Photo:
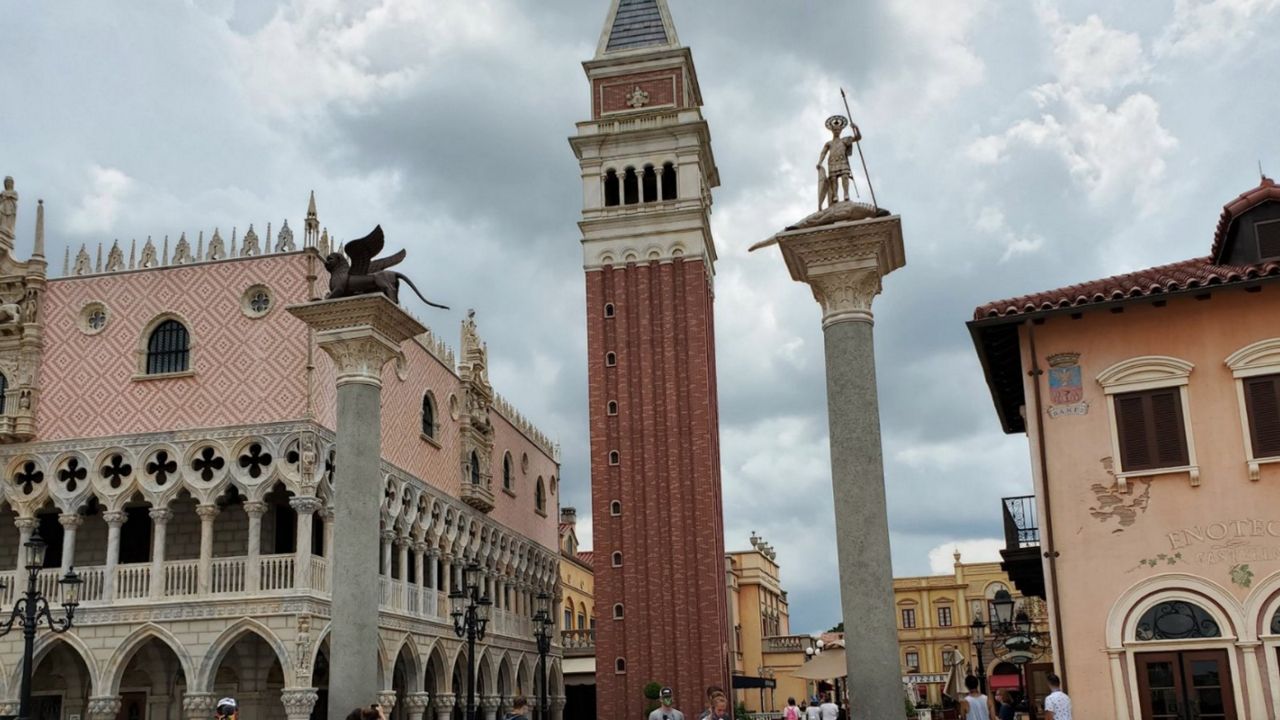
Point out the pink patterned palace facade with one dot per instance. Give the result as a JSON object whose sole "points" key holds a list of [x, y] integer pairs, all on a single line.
{"points": [[168, 429]]}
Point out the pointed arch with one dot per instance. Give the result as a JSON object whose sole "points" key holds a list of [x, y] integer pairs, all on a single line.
{"points": [[408, 648], [130, 645], [218, 650], [45, 643], [437, 670]]}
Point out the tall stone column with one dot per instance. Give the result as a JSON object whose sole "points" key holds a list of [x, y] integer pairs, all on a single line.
{"points": [[843, 263], [159, 526], [114, 519], [306, 508], [70, 523], [205, 571], [360, 334], [26, 526], [254, 509]]}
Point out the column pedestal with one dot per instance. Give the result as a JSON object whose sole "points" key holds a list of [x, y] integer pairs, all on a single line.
{"points": [[360, 334], [843, 263]]}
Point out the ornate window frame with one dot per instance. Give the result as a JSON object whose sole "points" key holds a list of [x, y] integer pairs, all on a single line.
{"points": [[1149, 372], [86, 312], [1259, 358], [144, 339], [433, 439]]}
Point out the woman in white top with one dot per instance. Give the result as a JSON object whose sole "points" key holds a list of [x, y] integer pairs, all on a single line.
{"points": [[975, 705]]}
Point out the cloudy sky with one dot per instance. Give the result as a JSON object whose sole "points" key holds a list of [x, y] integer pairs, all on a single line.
{"points": [[1026, 145]]}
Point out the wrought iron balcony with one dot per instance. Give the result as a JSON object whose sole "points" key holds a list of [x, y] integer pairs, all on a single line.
{"points": [[1021, 551]]}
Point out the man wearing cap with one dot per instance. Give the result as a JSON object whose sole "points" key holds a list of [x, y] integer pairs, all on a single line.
{"points": [[666, 712], [227, 709]]}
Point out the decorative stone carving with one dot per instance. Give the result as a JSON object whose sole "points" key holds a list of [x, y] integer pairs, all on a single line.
{"points": [[323, 246], [475, 428], [302, 645], [284, 239], [115, 257], [250, 246], [148, 256], [103, 708], [637, 98], [114, 518], [298, 702], [8, 211], [846, 296], [363, 275], [198, 706], [182, 251], [387, 699], [84, 266], [361, 334], [217, 248]]}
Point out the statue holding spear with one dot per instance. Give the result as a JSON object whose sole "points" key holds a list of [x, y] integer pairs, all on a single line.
{"points": [[838, 173]]}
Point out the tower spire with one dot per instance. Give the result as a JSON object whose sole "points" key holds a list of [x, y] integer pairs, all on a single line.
{"points": [[38, 250], [311, 227], [635, 24]]}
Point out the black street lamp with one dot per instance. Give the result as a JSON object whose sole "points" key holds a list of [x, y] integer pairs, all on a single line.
{"points": [[470, 611], [542, 628], [979, 629], [34, 607], [1015, 641]]}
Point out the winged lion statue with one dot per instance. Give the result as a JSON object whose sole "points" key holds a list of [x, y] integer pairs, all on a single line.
{"points": [[363, 275]]}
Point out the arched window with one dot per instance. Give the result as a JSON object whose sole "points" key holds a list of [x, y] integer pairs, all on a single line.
{"points": [[475, 468], [630, 187], [620, 666], [610, 359], [649, 184], [611, 196], [4, 388], [168, 348], [507, 473], [617, 611], [1176, 620], [616, 559], [612, 407], [615, 458], [669, 181], [540, 496], [608, 310], [615, 509], [428, 415]]}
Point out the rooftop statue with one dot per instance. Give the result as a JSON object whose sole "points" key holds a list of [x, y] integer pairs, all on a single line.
{"points": [[836, 178], [363, 275], [8, 208]]}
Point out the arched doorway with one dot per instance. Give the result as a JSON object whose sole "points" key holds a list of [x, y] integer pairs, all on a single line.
{"points": [[404, 678], [151, 682], [1176, 668], [61, 683], [249, 670]]}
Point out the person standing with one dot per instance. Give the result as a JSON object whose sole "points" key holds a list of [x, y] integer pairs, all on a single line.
{"points": [[227, 709], [1005, 710], [814, 711], [666, 712], [519, 709], [719, 709], [828, 709], [1057, 706], [976, 706], [791, 712]]}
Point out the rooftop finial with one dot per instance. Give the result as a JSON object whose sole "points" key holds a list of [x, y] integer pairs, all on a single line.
{"points": [[311, 228], [38, 250]]}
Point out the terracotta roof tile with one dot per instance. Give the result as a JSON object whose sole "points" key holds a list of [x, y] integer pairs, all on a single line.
{"points": [[1160, 280], [564, 527], [1265, 191], [587, 558]]}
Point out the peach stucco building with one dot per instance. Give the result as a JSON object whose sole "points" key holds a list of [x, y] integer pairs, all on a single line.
{"points": [[1150, 402]]}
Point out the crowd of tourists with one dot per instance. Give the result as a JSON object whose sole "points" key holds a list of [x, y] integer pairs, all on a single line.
{"points": [[228, 709]]}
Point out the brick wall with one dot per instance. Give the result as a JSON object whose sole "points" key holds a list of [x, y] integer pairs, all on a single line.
{"points": [[671, 533], [611, 95]]}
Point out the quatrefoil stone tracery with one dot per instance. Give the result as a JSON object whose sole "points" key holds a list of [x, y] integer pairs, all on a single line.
{"points": [[255, 460], [161, 467], [207, 463], [116, 471], [28, 477], [72, 474]]}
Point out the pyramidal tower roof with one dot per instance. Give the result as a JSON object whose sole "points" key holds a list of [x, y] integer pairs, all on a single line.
{"points": [[636, 25]]}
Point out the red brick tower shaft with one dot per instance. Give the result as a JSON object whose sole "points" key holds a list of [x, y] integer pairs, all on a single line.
{"points": [[657, 514]]}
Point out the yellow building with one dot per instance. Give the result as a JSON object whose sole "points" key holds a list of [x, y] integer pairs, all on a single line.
{"points": [[577, 601], [935, 614], [758, 609]]}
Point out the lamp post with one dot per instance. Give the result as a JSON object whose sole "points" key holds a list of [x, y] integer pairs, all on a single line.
{"points": [[542, 629], [34, 607], [811, 652], [470, 612], [1014, 640], [979, 629]]}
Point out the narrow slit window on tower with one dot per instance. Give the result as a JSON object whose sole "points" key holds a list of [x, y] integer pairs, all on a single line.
{"points": [[649, 184], [612, 408], [616, 559], [630, 187], [615, 508], [608, 310], [611, 195], [620, 666], [610, 359], [617, 611], [669, 181], [615, 458]]}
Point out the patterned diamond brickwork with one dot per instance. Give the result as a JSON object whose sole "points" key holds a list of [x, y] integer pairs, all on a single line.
{"points": [[244, 370]]}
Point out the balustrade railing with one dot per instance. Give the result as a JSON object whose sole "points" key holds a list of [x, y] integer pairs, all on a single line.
{"points": [[226, 576], [275, 572], [132, 581], [575, 641], [319, 574], [181, 578]]}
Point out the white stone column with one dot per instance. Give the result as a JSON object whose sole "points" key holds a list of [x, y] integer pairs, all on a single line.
{"points": [[1253, 690], [207, 514], [843, 264], [443, 704], [557, 704], [298, 702], [433, 567], [415, 704], [159, 529], [388, 536], [157, 706], [70, 523], [253, 569], [197, 705], [26, 526], [1119, 696], [106, 707], [328, 534], [402, 560], [114, 519], [487, 708], [361, 334], [306, 508], [446, 582]]}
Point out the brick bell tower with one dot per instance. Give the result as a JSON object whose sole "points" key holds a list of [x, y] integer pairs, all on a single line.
{"points": [[657, 518]]}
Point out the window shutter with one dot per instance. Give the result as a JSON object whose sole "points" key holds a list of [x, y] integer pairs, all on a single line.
{"points": [[1262, 401], [1131, 424], [1170, 437]]}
